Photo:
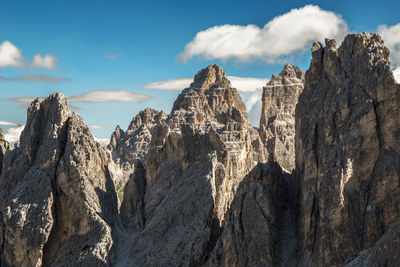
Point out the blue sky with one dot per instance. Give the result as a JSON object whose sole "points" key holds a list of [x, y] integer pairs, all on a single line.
{"points": [[123, 45]]}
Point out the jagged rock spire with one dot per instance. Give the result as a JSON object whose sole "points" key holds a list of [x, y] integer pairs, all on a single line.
{"points": [[211, 77]]}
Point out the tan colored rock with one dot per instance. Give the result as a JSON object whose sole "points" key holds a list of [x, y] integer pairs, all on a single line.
{"points": [[347, 153], [277, 123]]}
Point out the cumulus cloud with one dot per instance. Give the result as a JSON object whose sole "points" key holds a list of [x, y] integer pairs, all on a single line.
{"points": [[35, 78], [12, 134], [7, 123], [254, 105], [283, 36], [112, 56], [44, 62], [102, 141], [10, 55], [396, 74], [391, 37], [240, 83]]}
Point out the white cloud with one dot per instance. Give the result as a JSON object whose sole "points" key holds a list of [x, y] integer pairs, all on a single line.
{"points": [[396, 74], [35, 78], [254, 105], [112, 56], [96, 96], [241, 84], [10, 55], [285, 35], [107, 96], [97, 126], [12, 134], [7, 123], [44, 62], [102, 141]]}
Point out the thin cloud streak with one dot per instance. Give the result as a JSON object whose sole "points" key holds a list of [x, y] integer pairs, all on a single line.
{"points": [[7, 123], [96, 96], [242, 84], [112, 56], [35, 78]]}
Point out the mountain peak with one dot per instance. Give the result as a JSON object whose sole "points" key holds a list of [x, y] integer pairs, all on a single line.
{"points": [[211, 77]]}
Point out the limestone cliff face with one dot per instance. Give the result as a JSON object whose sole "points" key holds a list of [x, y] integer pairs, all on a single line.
{"points": [[348, 155], [197, 158], [277, 123], [57, 198], [4, 146], [127, 148]]}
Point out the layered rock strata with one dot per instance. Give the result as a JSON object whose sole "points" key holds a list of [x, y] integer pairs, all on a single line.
{"points": [[277, 123]]}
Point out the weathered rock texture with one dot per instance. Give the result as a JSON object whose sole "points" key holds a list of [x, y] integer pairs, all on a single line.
{"points": [[176, 201], [129, 147], [277, 123], [57, 198], [347, 155], [4, 146], [259, 228]]}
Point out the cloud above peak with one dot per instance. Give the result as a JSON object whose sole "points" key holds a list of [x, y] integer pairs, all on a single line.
{"points": [[283, 36], [44, 62], [242, 84]]}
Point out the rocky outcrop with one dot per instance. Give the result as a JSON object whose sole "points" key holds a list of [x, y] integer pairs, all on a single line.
{"points": [[259, 228], [127, 148], [348, 155], [277, 123], [4, 146], [57, 197], [203, 149]]}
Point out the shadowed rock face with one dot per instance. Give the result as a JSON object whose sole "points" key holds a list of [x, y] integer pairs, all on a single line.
{"points": [[347, 154], [57, 199], [277, 123]]}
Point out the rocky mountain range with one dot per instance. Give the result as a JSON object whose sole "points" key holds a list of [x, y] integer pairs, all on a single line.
{"points": [[318, 184]]}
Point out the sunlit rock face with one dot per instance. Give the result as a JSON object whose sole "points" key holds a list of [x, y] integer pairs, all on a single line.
{"points": [[347, 155], [277, 123], [57, 198]]}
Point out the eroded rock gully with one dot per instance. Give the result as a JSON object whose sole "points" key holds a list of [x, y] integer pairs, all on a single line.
{"points": [[316, 185]]}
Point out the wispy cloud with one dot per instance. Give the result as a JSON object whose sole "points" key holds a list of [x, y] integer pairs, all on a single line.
{"points": [[112, 56], [285, 35], [35, 78], [11, 56], [242, 84], [96, 96], [98, 126], [44, 62], [7, 123], [107, 96]]}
